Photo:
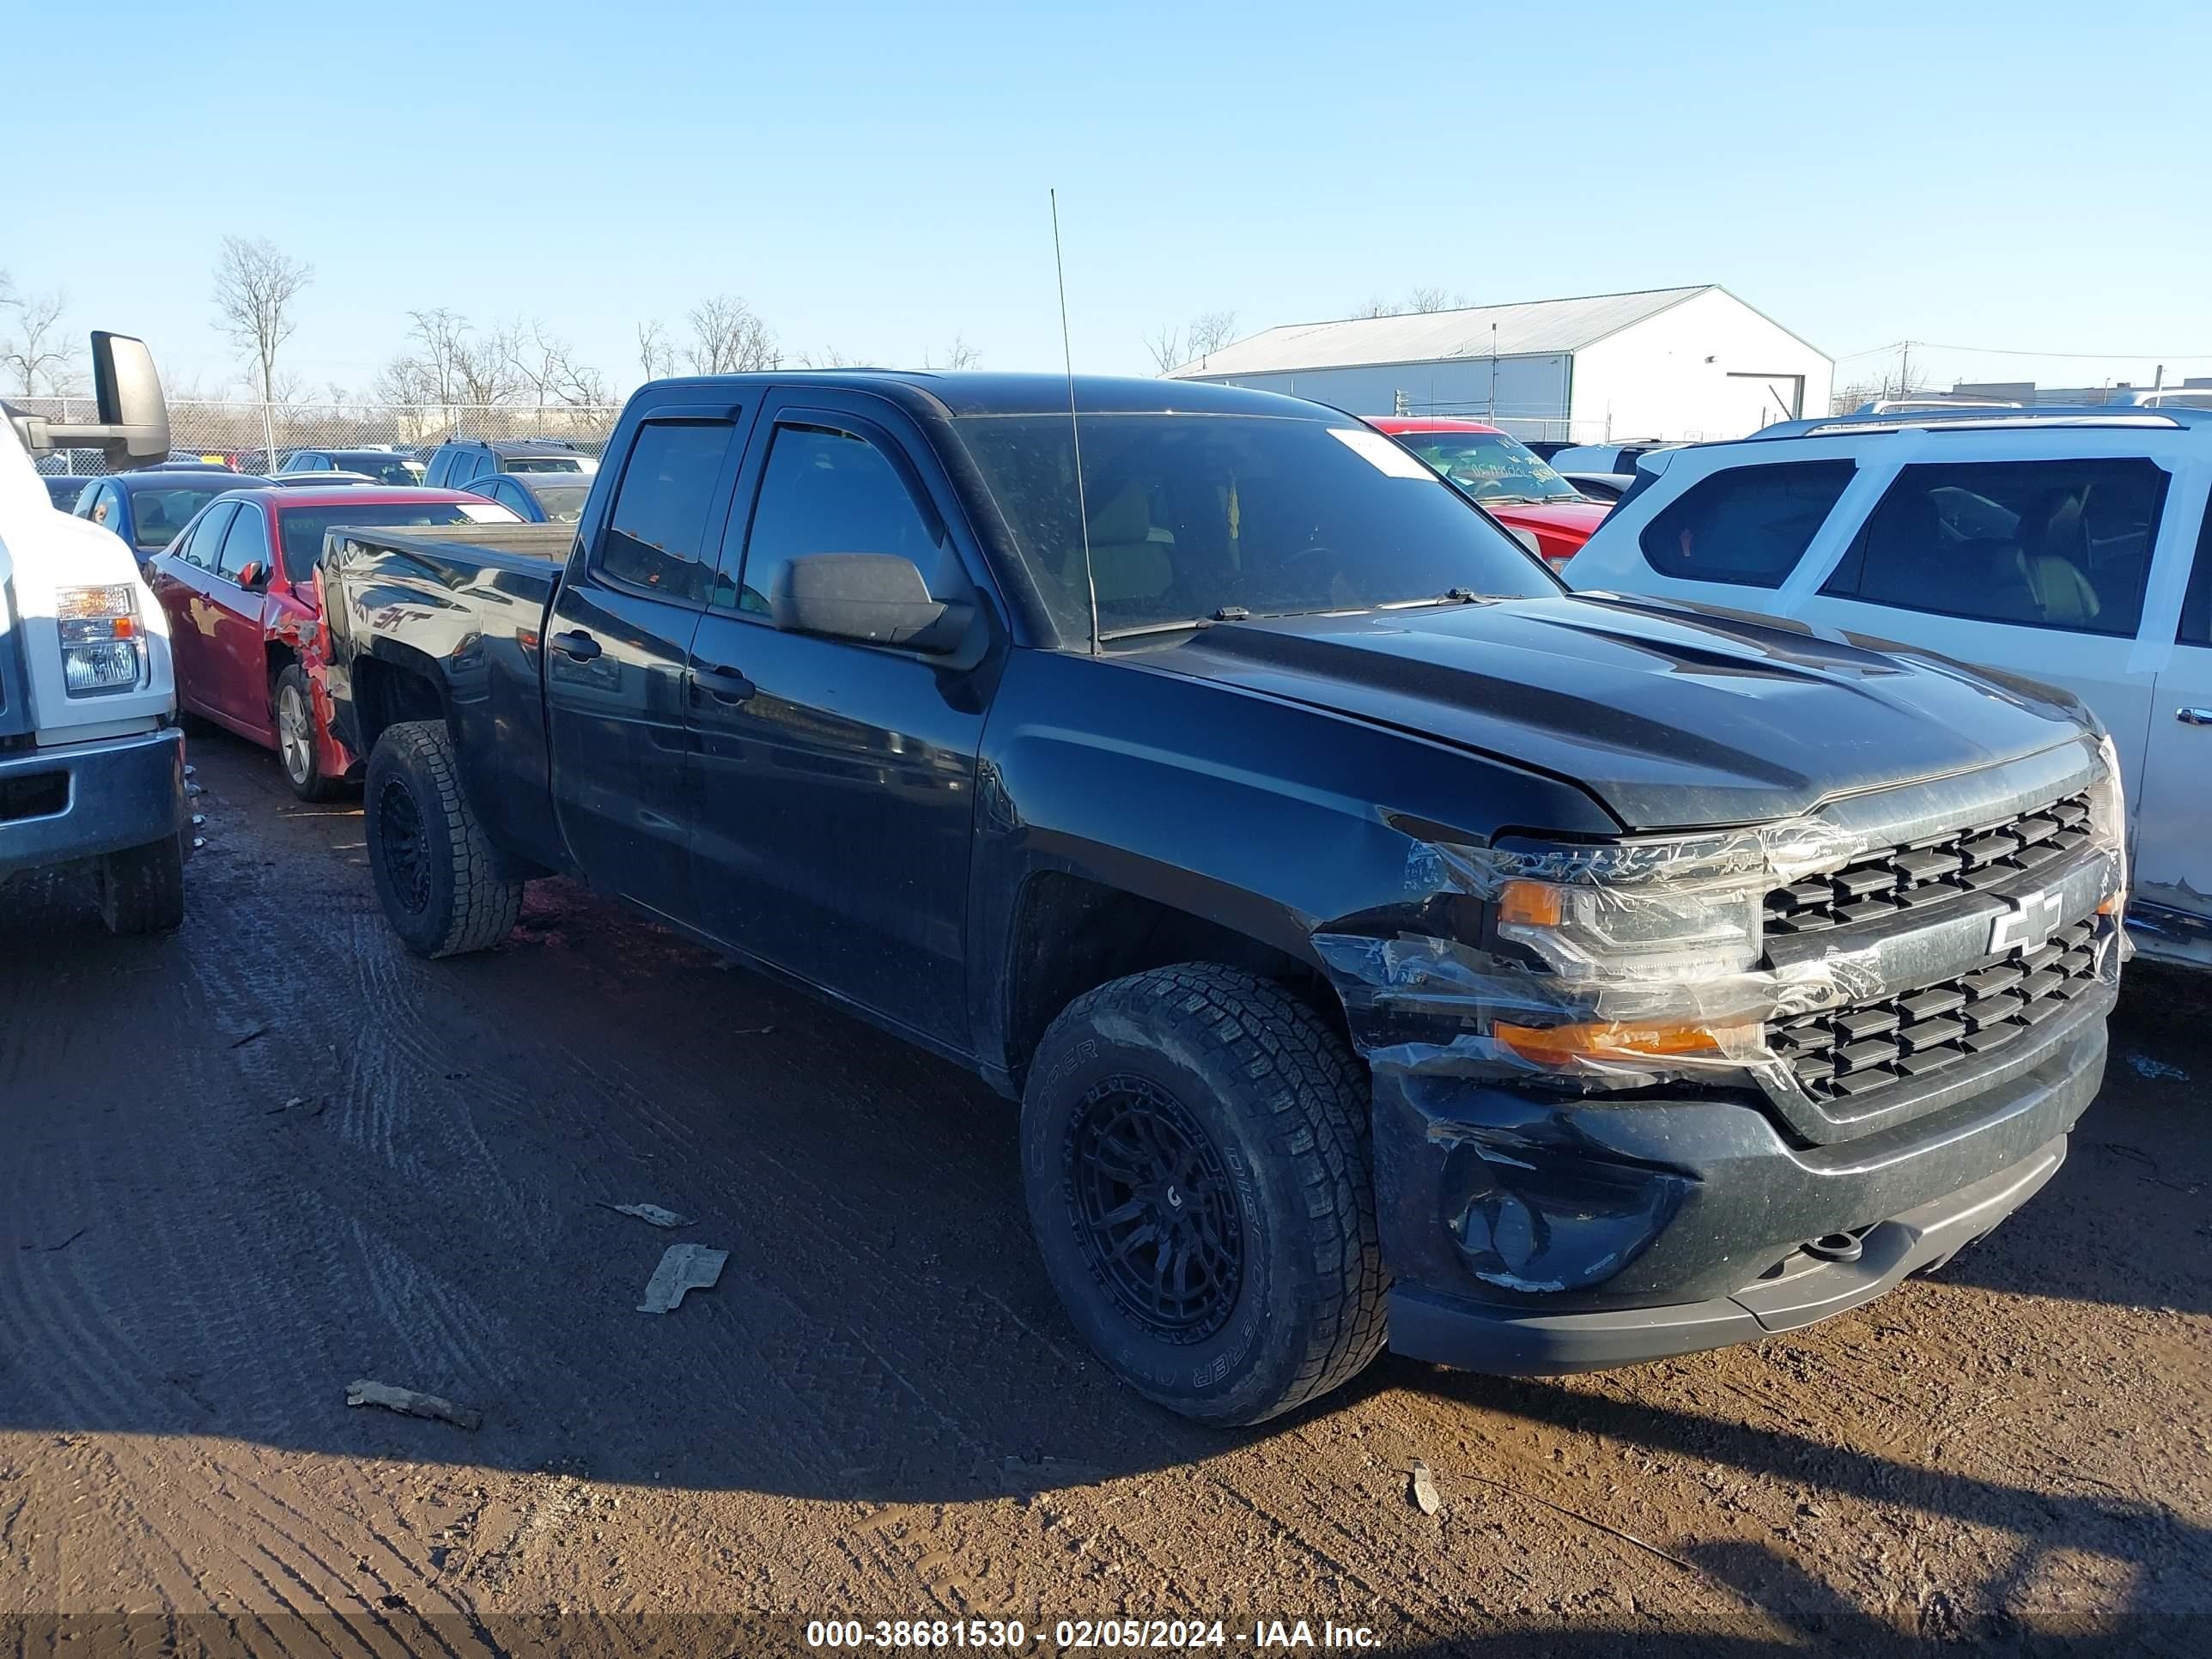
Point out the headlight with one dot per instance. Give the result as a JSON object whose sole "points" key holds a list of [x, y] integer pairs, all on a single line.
{"points": [[2108, 807], [2108, 826], [102, 651], [1654, 931], [1648, 926]]}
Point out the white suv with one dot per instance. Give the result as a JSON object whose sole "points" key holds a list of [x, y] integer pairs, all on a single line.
{"points": [[2070, 547]]}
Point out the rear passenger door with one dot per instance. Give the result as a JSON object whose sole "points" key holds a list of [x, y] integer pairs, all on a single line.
{"points": [[836, 780], [2037, 566], [617, 658]]}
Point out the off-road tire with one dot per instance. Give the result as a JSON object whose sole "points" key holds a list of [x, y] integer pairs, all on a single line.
{"points": [[446, 898], [1285, 1107], [141, 889], [293, 680]]}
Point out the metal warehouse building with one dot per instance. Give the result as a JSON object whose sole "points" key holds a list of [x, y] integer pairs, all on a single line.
{"points": [[1667, 362]]}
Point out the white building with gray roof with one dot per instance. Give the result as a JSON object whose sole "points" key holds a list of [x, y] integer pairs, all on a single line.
{"points": [[1669, 363]]}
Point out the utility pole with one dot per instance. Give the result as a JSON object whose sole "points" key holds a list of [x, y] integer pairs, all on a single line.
{"points": [[1492, 405]]}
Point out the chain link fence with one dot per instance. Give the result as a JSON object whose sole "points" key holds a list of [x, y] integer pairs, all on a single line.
{"points": [[241, 434]]}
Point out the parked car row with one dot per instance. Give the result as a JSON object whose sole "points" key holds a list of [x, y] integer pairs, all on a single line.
{"points": [[230, 560]]}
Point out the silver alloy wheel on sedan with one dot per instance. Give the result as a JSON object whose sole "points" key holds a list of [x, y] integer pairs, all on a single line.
{"points": [[295, 734]]}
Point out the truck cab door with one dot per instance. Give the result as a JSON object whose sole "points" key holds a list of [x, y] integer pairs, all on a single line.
{"points": [[836, 780], [2172, 881], [618, 653]]}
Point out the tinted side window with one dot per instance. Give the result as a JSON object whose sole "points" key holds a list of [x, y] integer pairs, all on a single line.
{"points": [[1749, 524], [659, 518], [2197, 608], [2046, 543], [826, 491], [441, 469], [246, 542], [208, 537]]}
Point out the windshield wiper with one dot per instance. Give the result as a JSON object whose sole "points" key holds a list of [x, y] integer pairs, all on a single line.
{"points": [[1226, 614], [1449, 596]]}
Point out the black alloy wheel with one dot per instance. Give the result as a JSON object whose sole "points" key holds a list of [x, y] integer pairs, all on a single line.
{"points": [[1155, 1211]]}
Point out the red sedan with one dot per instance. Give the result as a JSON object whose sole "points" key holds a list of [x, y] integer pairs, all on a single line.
{"points": [[1518, 489], [245, 617]]}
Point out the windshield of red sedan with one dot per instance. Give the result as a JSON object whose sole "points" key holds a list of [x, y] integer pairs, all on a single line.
{"points": [[300, 529], [1490, 466]]}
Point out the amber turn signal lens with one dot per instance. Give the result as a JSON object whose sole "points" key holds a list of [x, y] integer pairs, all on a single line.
{"points": [[1531, 904], [1561, 1045]]}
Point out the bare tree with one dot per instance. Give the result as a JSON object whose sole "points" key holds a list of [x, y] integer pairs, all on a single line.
{"points": [[34, 353], [485, 366], [958, 354], [1434, 299], [654, 355], [255, 286], [828, 357], [452, 362], [1210, 331], [550, 368], [428, 371], [1379, 307], [728, 337], [1207, 334]]}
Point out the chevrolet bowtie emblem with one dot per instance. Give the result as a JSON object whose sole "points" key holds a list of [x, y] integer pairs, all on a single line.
{"points": [[2033, 920]]}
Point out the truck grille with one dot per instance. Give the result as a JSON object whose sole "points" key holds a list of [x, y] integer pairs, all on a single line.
{"points": [[1926, 872], [1854, 1050]]}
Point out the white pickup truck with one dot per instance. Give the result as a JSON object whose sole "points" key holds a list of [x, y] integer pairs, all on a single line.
{"points": [[92, 763]]}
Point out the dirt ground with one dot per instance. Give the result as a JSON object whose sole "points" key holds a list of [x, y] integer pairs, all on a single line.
{"points": [[246, 1166]]}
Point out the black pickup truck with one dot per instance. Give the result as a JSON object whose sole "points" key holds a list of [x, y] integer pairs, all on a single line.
{"points": [[1383, 944]]}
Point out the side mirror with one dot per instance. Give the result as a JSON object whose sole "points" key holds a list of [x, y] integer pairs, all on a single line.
{"points": [[133, 428], [251, 575], [879, 599]]}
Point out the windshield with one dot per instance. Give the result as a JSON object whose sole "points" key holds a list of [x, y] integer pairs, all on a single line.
{"points": [[1490, 466], [385, 469], [159, 512], [1194, 517], [563, 502], [300, 529]]}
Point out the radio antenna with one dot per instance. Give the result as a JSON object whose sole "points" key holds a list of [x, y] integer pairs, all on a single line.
{"points": [[1074, 429]]}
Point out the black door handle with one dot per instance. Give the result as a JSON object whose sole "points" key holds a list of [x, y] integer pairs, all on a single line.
{"points": [[576, 643], [726, 684]]}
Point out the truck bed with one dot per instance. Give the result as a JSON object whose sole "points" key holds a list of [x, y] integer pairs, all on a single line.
{"points": [[536, 548], [460, 608]]}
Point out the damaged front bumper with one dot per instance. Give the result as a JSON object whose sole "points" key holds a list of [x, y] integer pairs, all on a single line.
{"points": [[1534, 1234]]}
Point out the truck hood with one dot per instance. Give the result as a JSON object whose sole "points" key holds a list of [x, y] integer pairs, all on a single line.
{"points": [[1670, 718]]}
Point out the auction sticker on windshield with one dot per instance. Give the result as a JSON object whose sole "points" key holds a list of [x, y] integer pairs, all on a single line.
{"points": [[1381, 453]]}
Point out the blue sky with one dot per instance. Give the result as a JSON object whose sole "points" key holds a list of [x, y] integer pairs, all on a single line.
{"points": [[872, 178]]}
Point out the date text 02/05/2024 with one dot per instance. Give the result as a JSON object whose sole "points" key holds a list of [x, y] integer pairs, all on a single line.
{"points": [[1164, 1635]]}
